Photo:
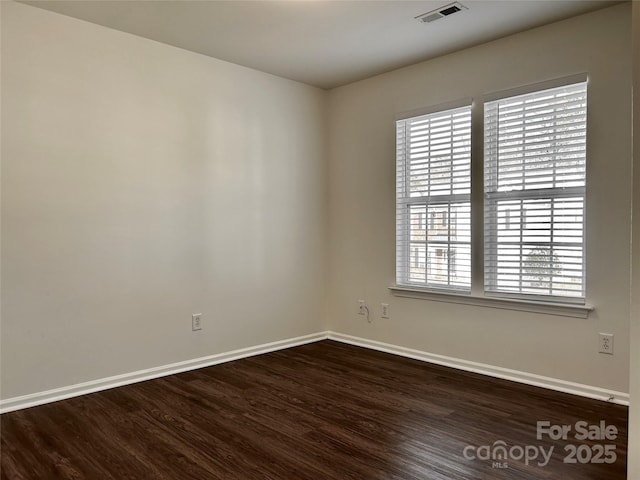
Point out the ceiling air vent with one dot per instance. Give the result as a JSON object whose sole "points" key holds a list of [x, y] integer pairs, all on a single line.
{"points": [[441, 12]]}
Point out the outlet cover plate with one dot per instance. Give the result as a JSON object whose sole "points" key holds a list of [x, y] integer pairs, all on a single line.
{"points": [[196, 322], [605, 344]]}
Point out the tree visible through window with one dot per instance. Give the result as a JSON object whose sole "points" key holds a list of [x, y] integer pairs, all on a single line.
{"points": [[541, 265]]}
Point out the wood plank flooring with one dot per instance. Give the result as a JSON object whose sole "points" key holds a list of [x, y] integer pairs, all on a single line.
{"points": [[319, 412]]}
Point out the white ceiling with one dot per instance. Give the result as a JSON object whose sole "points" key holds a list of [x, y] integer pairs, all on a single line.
{"points": [[321, 43]]}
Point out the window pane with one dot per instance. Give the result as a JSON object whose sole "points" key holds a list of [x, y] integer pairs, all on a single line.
{"points": [[438, 147], [433, 192], [535, 159]]}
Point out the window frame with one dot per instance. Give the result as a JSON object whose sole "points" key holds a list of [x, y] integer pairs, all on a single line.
{"points": [[433, 204], [478, 296], [553, 194]]}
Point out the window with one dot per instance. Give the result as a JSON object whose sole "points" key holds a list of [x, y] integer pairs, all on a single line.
{"points": [[534, 184], [433, 200], [532, 175]]}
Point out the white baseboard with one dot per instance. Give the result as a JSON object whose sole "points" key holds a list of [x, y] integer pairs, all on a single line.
{"points": [[40, 398], [564, 386]]}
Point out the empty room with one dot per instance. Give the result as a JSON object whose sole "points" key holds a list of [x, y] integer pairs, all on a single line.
{"points": [[320, 239]]}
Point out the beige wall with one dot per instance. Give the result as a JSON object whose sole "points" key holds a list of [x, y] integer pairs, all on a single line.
{"points": [[634, 408], [362, 216], [142, 183]]}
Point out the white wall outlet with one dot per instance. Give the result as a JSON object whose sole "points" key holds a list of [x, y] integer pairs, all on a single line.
{"points": [[384, 307], [196, 321], [362, 307], [605, 344]]}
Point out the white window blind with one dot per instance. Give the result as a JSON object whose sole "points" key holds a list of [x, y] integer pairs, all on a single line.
{"points": [[433, 212], [534, 183]]}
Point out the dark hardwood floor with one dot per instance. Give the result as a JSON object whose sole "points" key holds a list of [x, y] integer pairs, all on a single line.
{"points": [[320, 411]]}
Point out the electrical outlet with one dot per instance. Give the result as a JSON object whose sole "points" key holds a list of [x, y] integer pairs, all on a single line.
{"points": [[362, 307], [385, 310], [196, 322], [606, 343]]}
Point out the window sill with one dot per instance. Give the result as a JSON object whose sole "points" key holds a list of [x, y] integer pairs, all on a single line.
{"points": [[549, 308]]}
